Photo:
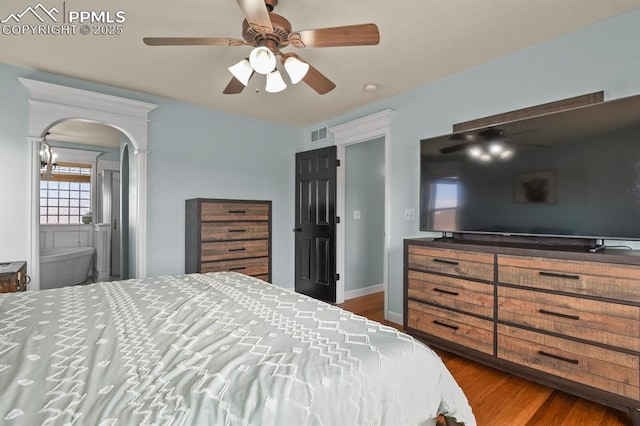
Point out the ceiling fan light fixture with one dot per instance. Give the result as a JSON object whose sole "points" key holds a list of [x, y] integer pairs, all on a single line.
{"points": [[296, 69], [475, 151], [496, 148], [506, 154], [242, 71], [262, 60], [275, 83]]}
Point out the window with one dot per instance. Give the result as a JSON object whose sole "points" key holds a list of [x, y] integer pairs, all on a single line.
{"points": [[66, 196], [445, 204]]}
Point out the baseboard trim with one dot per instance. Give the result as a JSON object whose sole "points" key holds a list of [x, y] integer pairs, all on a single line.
{"points": [[394, 317], [352, 294]]}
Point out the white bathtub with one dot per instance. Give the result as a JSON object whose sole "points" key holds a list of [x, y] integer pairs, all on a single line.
{"points": [[60, 267]]}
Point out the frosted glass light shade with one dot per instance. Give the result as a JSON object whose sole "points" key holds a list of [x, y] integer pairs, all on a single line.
{"points": [[262, 60], [296, 69], [275, 83], [242, 71]]}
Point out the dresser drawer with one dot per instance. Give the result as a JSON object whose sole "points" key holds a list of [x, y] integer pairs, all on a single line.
{"points": [[462, 263], [234, 231], [601, 322], [254, 267], [466, 330], [621, 282], [456, 293], [234, 250], [234, 211], [604, 369]]}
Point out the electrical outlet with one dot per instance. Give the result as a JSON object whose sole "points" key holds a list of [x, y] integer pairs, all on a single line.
{"points": [[356, 214], [409, 214]]}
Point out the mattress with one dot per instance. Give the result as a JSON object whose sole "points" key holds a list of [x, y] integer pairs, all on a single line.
{"points": [[211, 349]]}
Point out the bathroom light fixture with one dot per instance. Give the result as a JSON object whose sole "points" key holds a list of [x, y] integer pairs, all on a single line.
{"points": [[48, 159]]}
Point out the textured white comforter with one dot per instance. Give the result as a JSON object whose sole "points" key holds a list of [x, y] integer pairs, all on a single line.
{"points": [[215, 349]]}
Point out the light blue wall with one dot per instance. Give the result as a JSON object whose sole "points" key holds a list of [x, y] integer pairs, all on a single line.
{"points": [[194, 152], [364, 192], [234, 157], [604, 56]]}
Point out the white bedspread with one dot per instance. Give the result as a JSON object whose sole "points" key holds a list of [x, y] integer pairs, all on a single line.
{"points": [[215, 349]]}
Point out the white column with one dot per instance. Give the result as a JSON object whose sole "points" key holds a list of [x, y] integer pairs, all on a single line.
{"points": [[141, 212]]}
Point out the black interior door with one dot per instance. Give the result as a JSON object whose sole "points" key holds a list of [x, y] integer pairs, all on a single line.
{"points": [[316, 223]]}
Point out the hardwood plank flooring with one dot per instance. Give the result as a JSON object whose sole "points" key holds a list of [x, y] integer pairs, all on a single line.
{"points": [[501, 399]]}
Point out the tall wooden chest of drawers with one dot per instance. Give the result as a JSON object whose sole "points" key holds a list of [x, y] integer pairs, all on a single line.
{"points": [[564, 318], [228, 235], [13, 277]]}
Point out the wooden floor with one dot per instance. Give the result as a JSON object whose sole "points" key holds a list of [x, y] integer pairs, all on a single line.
{"points": [[501, 399]]}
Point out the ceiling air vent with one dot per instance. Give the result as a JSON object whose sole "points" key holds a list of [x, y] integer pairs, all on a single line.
{"points": [[319, 134]]}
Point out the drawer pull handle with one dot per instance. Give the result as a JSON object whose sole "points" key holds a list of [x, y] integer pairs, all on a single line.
{"points": [[453, 327], [558, 314], [238, 249], [558, 357], [237, 211], [237, 230], [555, 275], [238, 268], [446, 262], [452, 293]]}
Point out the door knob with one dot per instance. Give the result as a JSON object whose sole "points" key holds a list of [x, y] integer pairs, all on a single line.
{"points": [[298, 229]]}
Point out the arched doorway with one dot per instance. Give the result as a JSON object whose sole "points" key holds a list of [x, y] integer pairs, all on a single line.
{"points": [[51, 104]]}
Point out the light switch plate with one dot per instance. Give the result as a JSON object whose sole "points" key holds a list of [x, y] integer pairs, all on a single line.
{"points": [[409, 214], [356, 214]]}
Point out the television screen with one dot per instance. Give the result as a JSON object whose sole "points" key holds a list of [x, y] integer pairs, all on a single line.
{"points": [[572, 174]]}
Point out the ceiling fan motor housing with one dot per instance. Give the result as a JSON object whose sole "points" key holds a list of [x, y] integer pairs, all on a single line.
{"points": [[280, 34], [271, 4]]}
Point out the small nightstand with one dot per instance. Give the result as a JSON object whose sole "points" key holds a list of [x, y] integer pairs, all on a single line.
{"points": [[13, 277]]}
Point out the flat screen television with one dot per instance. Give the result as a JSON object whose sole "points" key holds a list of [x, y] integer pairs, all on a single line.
{"points": [[572, 174]]}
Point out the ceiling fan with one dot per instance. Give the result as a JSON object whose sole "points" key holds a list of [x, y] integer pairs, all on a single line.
{"points": [[483, 144], [268, 32], [472, 138]]}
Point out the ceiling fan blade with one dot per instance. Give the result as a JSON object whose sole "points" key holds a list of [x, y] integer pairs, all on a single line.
{"points": [[257, 15], [351, 35], [456, 148], [318, 81], [191, 41], [234, 87]]}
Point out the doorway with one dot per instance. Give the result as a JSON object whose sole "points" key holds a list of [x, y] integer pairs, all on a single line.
{"points": [[80, 204], [364, 218], [50, 104], [355, 132]]}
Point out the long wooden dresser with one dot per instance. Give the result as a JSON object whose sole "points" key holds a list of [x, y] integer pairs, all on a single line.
{"points": [[228, 235], [568, 319]]}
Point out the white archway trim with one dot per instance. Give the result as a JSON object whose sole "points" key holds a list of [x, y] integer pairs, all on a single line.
{"points": [[356, 131], [52, 103]]}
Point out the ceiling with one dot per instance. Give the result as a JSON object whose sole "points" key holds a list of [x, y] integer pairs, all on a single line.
{"points": [[421, 41]]}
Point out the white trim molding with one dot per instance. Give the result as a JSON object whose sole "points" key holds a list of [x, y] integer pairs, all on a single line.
{"points": [[50, 104], [356, 131], [365, 291]]}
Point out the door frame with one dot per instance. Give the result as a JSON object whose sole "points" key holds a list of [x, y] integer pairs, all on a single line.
{"points": [[50, 104], [361, 130]]}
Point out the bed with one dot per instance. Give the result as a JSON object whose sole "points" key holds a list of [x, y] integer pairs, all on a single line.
{"points": [[210, 349]]}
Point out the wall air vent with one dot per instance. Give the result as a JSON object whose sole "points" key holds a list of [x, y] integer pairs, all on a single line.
{"points": [[320, 134]]}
